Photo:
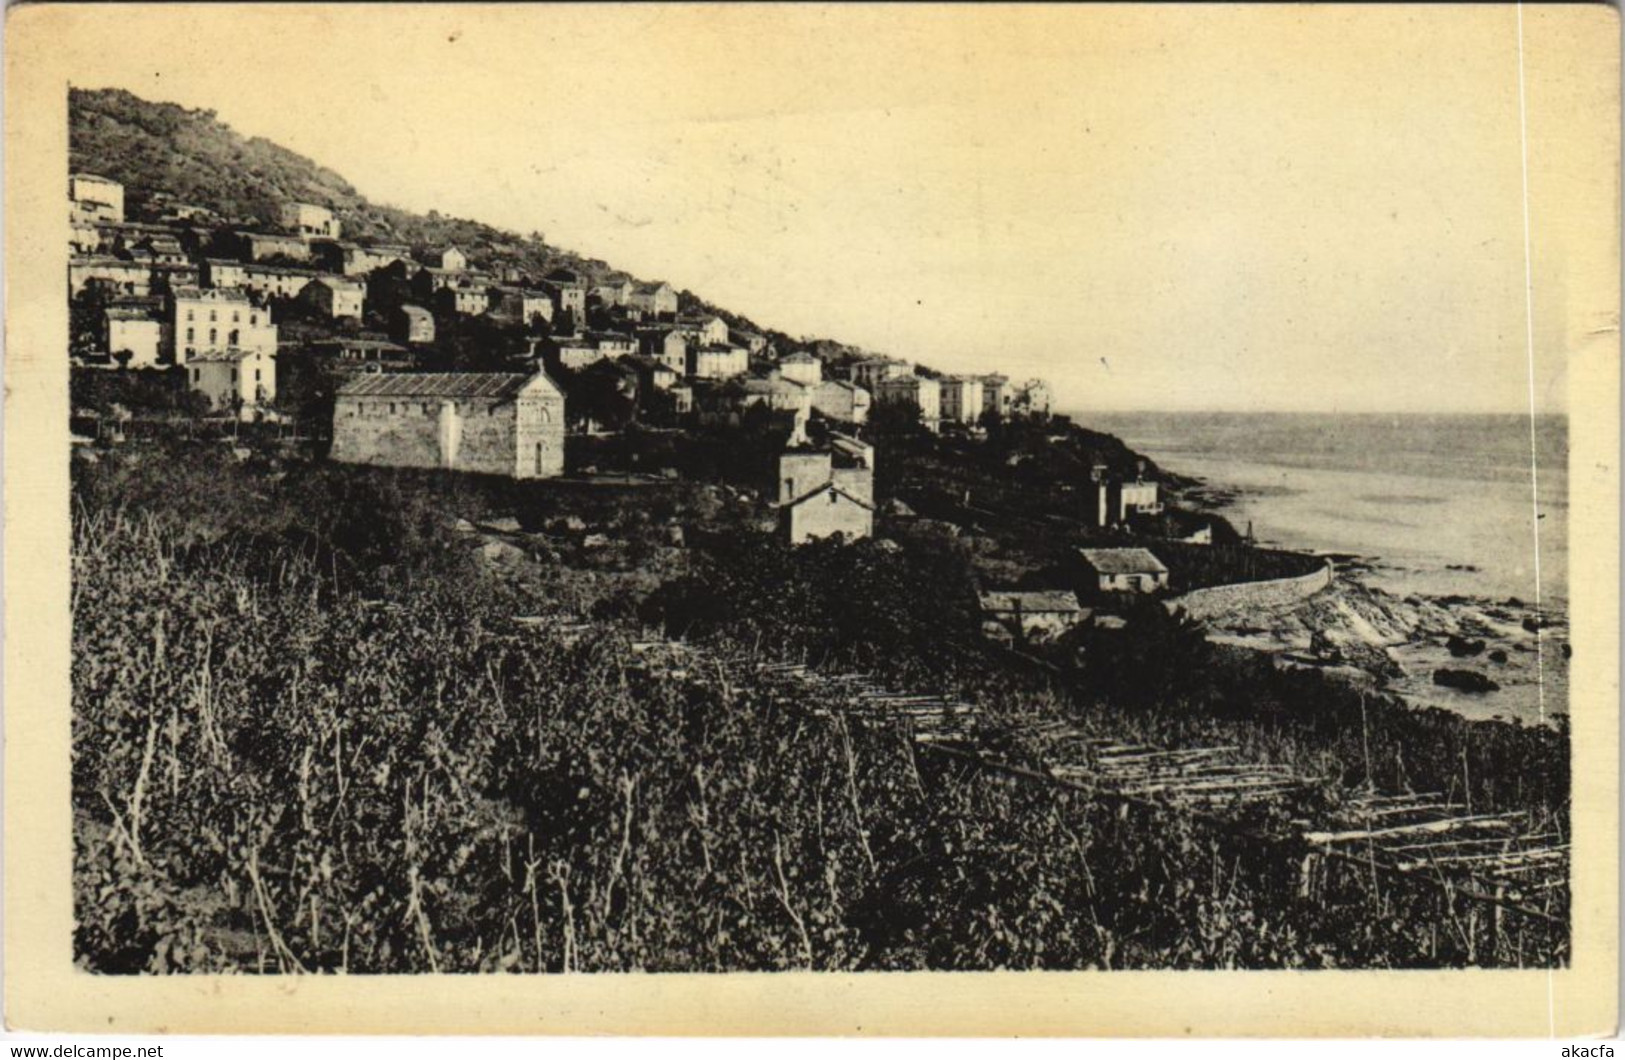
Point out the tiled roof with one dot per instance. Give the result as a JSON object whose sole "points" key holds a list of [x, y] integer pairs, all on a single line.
{"points": [[1123, 561], [416, 312], [435, 384]]}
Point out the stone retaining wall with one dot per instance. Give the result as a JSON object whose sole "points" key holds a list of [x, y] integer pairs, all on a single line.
{"points": [[1223, 600]]}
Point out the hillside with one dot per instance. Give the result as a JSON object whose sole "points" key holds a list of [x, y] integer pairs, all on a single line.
{"points": [[190, 155]]}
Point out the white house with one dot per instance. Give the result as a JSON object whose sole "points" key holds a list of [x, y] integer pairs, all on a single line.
{"points": [[1125, 570], [234, 379]]}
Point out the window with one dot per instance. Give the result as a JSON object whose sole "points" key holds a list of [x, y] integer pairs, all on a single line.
{"points": [[233, 338], [392, 408], [256, 375], [211, 315], [191, 334], [234, 316], [832, 496], [189, 314]]}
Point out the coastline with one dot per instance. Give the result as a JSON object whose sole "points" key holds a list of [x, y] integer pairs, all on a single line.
{"points": [[1397, 642]]}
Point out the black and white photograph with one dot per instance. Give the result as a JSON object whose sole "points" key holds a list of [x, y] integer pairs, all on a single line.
{"points": [[839, 489]]}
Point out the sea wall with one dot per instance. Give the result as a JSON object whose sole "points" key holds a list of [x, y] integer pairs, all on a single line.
{"points": [[1223, 600]]}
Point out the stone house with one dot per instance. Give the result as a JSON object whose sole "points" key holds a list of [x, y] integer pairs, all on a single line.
{"points": [[961, 397], [335, 297], [802, 368], [309, 220], [234, 379], [569, 293], [94, 198], [411, 324], [870, 373], [574, 352], [462, 300], [613, 344], [996, 395], [266, 281], [1031, 399], [1125, 570], [215, 320], [820, 495], [133, 330], [352, 259], [613, 292], [1026, 617], [706, 331], [718, 362], [837, 399], [669, 345], [749, 339], [125, 277], [916, 391], [258, 246], [520, 305], [654, 299], [489, 423], [447, 259]]}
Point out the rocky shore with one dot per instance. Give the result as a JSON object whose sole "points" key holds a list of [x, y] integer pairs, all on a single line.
{"points": [[1482, 658]]}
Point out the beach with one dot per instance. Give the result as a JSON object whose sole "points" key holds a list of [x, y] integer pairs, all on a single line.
{"points": [[1434, 521]]}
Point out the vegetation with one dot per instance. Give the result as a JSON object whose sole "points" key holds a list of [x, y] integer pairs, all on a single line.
{"points": [[309, 735]]}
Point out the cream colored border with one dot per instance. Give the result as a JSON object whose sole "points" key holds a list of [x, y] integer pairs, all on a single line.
{"points": [[43, 992]]}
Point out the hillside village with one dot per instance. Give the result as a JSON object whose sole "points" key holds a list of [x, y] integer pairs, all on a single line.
{"points": [[501, 356]]}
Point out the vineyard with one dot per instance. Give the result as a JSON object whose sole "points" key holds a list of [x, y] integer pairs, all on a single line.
{"points": [[319, 732]]}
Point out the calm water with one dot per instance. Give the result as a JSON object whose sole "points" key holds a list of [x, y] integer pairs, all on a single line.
{"points": [[1420, 494], [1424, 498]]}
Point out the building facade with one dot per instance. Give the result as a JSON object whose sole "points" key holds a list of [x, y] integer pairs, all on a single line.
{"points": [[820, 494], [718, 362], [802, 368], [961, 399], [216, 320], [836, 399], [653, 299], [132, 331], [494, 424], [335, 297], [915, 391], [1125, 570], [411, 324], [240, 380]]}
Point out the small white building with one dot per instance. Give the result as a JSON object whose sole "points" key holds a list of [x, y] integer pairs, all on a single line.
{"points": [[1125, 570], [242, 380], [802, 368], [335, 297], [718, 362], [133, 331]]}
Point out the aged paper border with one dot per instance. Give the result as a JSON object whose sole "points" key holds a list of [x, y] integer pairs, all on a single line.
{"points": [[44, 993]]}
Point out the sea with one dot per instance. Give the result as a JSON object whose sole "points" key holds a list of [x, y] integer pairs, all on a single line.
{"points": [[1440, 505]]}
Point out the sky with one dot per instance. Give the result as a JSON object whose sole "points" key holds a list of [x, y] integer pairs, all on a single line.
{"points": [[1313, 208]]}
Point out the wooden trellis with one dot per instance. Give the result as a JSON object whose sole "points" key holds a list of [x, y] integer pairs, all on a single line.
{"points": [[1505, 859]]}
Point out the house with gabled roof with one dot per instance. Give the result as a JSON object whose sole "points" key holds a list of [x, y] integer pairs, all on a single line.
{"points": [[1125, 570]]}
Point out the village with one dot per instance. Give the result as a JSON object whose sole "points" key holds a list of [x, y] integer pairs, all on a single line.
{"points": [[443, 358], [448, 600]]}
